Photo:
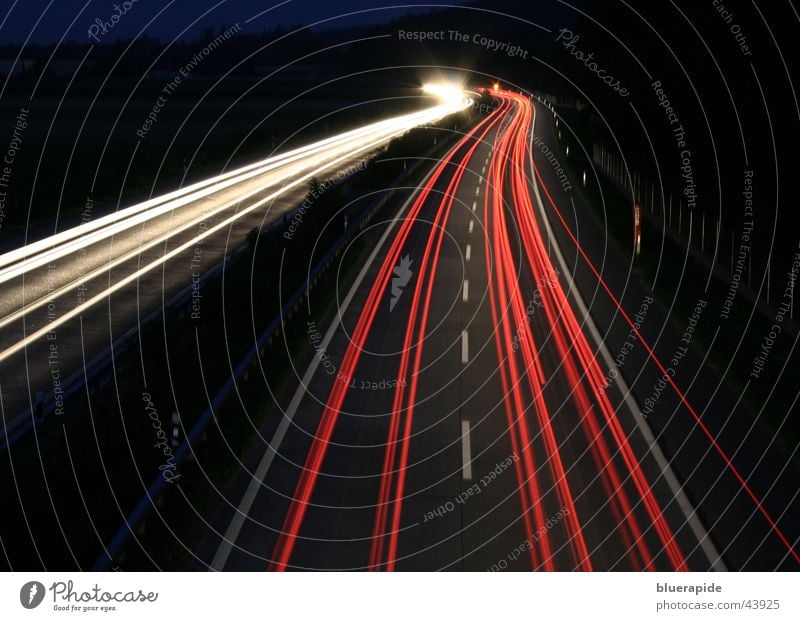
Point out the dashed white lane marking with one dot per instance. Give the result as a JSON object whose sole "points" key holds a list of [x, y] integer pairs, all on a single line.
{"points": [[477, 190], [471, 225], [474, 206], [465, 289], [464, 347], [466, 451], [468, 252], [483, 170], [256, 481]]}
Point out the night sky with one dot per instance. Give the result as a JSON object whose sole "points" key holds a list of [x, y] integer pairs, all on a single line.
{"points": [[47, 21]]}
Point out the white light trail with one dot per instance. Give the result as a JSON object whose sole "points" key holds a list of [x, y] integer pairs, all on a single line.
{"points": [[379, 134], [17, 262], [450, 93]]}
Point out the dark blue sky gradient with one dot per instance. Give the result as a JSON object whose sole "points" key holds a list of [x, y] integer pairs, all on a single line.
{"points": [[55, 17]]}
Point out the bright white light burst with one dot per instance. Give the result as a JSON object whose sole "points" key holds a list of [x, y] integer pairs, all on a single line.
{"points": [[449, 92]]}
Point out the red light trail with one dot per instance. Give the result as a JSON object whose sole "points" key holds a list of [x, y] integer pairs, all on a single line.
{"points": [[313, 463], [641, 523]]}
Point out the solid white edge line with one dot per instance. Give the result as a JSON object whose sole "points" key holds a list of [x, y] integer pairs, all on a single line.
{"points": [[235, 527], [127, 256], [466, 451], [62, 319], [699, 531]]}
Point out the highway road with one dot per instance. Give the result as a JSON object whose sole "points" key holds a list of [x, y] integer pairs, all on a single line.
{"points": [[462, 409], [66, 298]]}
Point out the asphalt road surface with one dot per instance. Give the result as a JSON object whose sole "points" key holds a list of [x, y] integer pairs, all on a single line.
{"points": [[66, 298], [463, 409]]}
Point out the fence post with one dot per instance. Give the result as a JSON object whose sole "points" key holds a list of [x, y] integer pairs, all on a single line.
{"points": [[703, 234], [670, 211], [175, 430]]}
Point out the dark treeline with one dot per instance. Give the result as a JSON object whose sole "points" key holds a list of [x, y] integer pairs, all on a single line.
{"points": [[726, 70], [724, 77], [712, 66], [129, 58]]}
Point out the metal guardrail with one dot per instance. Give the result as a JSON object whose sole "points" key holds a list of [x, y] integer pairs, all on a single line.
{"points": [[159, 484], [654, 205], [19, 426], [39, 411]]}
